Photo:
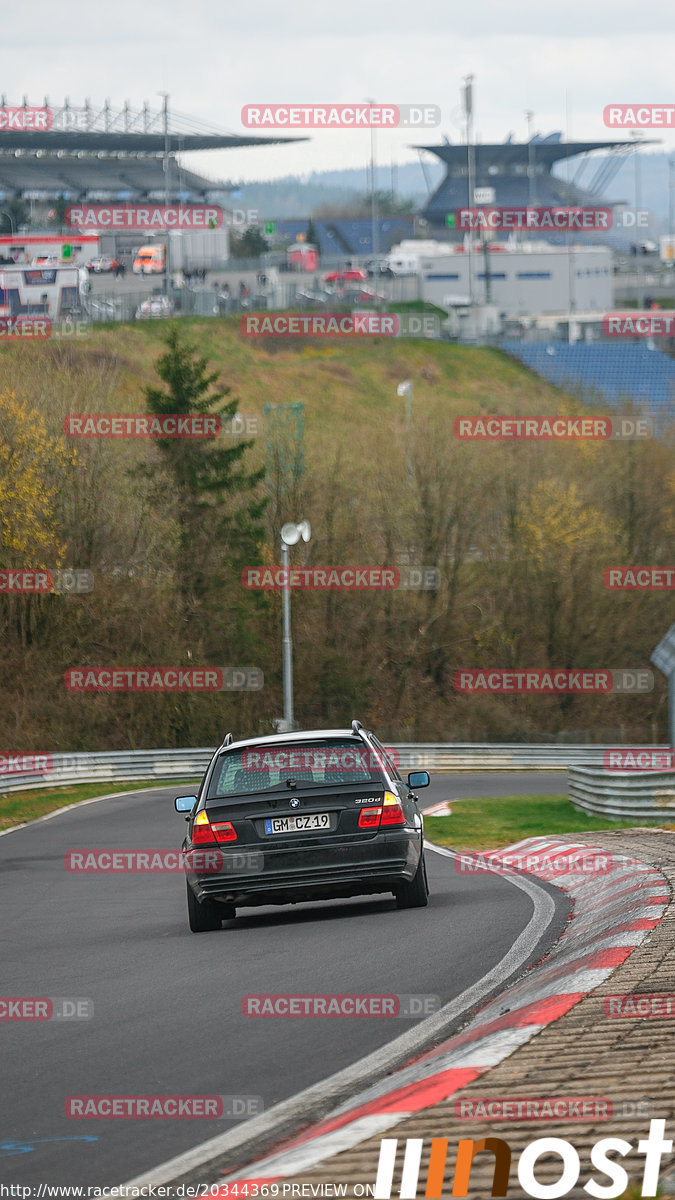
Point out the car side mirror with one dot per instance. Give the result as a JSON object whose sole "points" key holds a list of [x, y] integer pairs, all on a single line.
{"points": [[184, 804], [418, 779]]}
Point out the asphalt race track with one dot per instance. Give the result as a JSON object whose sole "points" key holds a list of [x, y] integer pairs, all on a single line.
{"points": [[167, 1003]]}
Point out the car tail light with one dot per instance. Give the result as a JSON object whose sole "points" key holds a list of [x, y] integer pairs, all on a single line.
{"points": [[392, 813], [202, 833], [369, 818], [224, 831]]}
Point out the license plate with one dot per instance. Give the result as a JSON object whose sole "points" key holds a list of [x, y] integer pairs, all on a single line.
{"points": [[297, 823]]}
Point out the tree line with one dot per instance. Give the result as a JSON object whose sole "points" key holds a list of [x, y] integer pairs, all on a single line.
{"points": [[520, 534]]}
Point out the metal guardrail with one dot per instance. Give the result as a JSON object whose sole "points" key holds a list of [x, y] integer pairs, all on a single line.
{"points": [[623, 794], [164, 765], [113, 766], [491, 756]]}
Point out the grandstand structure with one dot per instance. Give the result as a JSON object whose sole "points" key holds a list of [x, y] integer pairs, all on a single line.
{"points": [[521, 173], [106, 153], [613, 373]]}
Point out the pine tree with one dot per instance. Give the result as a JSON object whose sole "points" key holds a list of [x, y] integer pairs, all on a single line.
{"points": [[217, 502]]}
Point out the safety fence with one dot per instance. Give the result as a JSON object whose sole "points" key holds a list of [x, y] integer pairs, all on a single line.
{"points": [[623, 794]]}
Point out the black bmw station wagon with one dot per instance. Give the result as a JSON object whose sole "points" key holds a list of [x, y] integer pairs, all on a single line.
{"points": [[312, 815]]}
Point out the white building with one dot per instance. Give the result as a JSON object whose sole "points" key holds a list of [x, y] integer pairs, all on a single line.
{"points": [[523, 279]]}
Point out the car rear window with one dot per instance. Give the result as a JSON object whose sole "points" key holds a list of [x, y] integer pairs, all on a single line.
{"points": [[258, 768]]}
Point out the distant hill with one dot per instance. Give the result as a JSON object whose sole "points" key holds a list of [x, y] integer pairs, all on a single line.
{"points": [[300, 196]]}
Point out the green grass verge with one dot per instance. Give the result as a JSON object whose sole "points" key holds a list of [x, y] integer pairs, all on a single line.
{"points": [[496, 821], [485, 824], [18, 807]]}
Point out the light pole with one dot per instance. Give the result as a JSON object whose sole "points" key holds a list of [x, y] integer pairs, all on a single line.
{"points": [[468, 113], [671, 199], [373, 200], [166, 190], [10, 218], [531, 185], [406, 389], [290, 535], [638, 201]]}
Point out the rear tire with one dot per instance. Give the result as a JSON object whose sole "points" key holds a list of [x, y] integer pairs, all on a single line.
{"points": [[416, 893], [203, 916]]}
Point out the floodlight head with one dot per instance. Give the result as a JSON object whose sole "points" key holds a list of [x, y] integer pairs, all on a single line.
{"points": [[291, 533]]}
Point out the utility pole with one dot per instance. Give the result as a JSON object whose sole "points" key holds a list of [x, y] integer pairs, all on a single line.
{"points": [[470, 169], [167, 280], [531, 180], [671, 198], [638, 201], [373, 199]]}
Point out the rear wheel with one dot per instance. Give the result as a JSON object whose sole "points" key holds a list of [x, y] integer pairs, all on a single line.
{"points": [[203, 916], [416, 893]]}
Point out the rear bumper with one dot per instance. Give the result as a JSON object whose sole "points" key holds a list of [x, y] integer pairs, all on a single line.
{"points": [[318, 872]]}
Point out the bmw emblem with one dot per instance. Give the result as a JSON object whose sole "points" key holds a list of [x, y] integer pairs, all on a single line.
{"points": [[295, 803]]}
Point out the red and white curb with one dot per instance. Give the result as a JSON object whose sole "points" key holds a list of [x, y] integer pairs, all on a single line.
{"points": [[614, 912]]}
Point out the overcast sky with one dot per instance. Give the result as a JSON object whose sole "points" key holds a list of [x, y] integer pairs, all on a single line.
{"points": [[563, 61]]}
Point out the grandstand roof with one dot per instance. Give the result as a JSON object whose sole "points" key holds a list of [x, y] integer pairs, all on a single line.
{"points": [[546, 151], [505, 166], [99, 152], [90, 128]]}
